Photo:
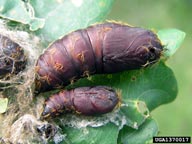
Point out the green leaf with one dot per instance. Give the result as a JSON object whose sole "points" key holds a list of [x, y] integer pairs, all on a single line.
{"points": [[64, 16], [143, 135], [171, 39], [141, 91], [3, 105], [19, 11], [106, 134], [55, 18]]}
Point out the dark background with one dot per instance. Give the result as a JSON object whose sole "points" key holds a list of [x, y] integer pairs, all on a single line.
{"points": [[174, 119]]}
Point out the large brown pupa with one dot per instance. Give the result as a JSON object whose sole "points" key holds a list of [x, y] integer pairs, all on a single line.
{"points": [[102, 48]]}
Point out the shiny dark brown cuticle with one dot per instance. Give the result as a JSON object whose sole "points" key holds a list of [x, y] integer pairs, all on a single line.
{"points": [[102, 48], [87, 101], [12, 57]]}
